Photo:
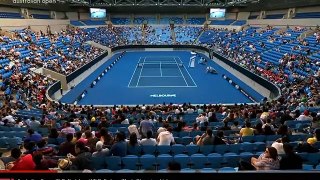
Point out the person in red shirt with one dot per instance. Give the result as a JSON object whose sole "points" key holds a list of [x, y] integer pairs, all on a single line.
{"points": [[23, 163]]}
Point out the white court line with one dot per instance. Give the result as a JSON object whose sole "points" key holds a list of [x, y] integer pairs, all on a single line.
{"points": [[134, 72], [157, 62], [159, 76], [195, 85], [160, 86], [160, 57], [140, 72], [181, 73]]}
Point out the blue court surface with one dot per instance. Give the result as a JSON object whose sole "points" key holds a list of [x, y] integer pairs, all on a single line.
{"points": [[157, 77]]}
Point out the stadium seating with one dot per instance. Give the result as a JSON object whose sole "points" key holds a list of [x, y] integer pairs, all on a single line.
{"points": [[40, 16], [222, 22], [274, 16], [93, 22], [306, 15], [11, 15], [198, 21], [120, 21]]}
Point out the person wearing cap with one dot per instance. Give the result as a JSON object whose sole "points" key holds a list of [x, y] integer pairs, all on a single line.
{"points": [[305, 116]]}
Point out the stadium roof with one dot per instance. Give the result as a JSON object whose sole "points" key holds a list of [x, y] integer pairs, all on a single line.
{"points": [[205, 3]]}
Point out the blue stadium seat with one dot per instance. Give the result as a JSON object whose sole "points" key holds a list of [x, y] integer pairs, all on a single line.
{"points": [[198, 161], [183, 159], [206, 149], [226, 170], [148, 162], [215, 160], [130, 162], [162, 161], [148, 150], [98, 163], [113, 162], [192, 149], [163, 149], [178, 149]]}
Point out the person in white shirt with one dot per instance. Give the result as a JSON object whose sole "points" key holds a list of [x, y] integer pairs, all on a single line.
{"points": [[133, 129], [278, 144], [166, 137], [202, 118], [304, 116], [268, 123], [190, 110], [149, 141]]}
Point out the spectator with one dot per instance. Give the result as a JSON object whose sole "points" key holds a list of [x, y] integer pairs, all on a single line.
{"points": [[67, 146], [100, 151], [25, 162], [235, 126], [218, 139], [283, 130], [83, 157], [43, 163], [53, 133], [305, 116], [267, 130], [247, 130], [166, 137], [119, 148], [34, 124], [291, 160], [258, 129], [33, 136], [149, 141], [67, 129], [225, 127], [278, 144], [91, 140], [206, 138], [106, 138], [14, 155], [268, 160], [315, 138], [145, 126]]}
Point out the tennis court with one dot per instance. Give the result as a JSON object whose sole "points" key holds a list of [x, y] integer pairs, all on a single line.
{"points": [[157, 77], [160, 71]]}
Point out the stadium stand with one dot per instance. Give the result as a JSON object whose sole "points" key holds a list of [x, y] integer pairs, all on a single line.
{"points": [[105, 136]]}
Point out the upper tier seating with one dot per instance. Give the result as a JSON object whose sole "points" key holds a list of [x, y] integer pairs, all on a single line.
{"points": [[120, 21], [239, 23], [274, 16], [222, 22], [176, 20], [141, 20], [94, 22], [11, 15], [76, 23], [40, 16], [195, 21], [307, 15]]}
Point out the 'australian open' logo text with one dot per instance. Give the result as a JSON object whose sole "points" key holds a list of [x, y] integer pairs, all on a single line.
{"points": [[163, 95]]}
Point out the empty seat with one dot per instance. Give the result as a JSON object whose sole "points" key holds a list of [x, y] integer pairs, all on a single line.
{"points": [[214, 160], [148, 162], [198, 161]]}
